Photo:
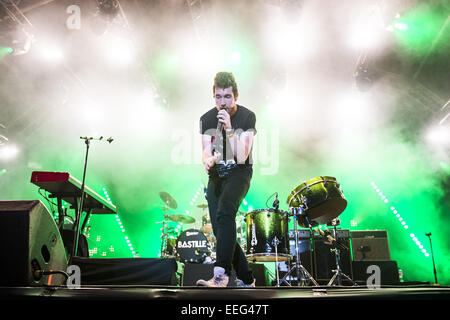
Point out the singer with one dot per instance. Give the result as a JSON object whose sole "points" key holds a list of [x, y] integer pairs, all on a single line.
{"points": [[227, 137]]}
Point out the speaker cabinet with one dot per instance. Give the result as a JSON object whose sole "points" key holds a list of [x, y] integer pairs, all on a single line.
{"points": [[325, 259], [370, 245], [29, 241], [388, 271], [126, 271]]}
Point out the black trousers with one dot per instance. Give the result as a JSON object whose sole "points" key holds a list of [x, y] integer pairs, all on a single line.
{"points": [[224, 197]]}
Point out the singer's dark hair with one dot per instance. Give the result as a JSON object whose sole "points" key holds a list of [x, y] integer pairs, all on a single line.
{"points": [[225, 80]]}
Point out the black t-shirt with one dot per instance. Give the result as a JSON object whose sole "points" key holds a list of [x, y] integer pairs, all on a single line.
{"points": [[243, 120]]}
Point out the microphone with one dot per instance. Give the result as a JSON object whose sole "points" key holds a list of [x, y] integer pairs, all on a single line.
{"points": [[217, 145], [276, 202], [110, 139], [220, 124]]}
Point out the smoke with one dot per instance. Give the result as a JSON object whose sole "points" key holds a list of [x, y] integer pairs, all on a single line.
{"points": [[311, 119]]}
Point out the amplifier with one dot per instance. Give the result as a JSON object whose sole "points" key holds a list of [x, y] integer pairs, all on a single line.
{"points": [[325, 258], [370, 245], [316, 255]]}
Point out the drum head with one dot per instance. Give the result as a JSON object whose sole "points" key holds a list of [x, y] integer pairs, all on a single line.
{"points": [[321, 199], [192, 246]]}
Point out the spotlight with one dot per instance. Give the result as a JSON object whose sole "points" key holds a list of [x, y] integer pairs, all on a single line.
{"points": [[119, 51], [109, 8], [4, 51], [438, 135], [50, 52], [8, 152], [22, 42]]}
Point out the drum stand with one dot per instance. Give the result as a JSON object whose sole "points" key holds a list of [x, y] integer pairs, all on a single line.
{"points": [[338, 274], [275, 243], [303, 276], [164, 232]]}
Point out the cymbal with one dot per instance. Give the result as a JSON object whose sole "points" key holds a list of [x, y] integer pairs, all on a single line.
{"points": [[183, 218], [202, 206], [168, 199]]}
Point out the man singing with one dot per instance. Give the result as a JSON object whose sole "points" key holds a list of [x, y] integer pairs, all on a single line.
{"points": [[227, 136]]}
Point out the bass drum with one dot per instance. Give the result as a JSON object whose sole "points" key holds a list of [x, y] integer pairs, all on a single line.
{"points": [[192, 246], [267, 235]]}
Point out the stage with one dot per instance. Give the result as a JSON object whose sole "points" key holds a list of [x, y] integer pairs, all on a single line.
{"points": [[107, 181], [224, 303], [245, 295]]}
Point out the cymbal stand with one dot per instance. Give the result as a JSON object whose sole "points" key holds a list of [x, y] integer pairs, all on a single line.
{"points": [[338, 274], [303, 276], [164, 230], [163, 238]]}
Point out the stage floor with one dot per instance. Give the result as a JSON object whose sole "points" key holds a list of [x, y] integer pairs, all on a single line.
{"points": [[175, 293], [229, 303]]}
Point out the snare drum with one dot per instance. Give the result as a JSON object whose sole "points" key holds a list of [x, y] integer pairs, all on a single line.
{"points": [[192, 246], [321, 199], [267, 235]]}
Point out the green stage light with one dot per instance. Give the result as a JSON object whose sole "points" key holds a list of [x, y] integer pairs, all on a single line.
{"points": [[400, 219], [4, 51], [418, 28], [105, 192]]}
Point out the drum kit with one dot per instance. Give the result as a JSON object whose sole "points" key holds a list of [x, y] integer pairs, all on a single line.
{"points": [[192, 245], [264, 233]]}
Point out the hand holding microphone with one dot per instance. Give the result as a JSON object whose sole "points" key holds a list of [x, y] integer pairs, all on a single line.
{"points": [[224, 119]]}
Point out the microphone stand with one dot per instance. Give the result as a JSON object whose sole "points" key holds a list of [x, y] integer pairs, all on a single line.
{"points": [[432, 258], [79, 210]]}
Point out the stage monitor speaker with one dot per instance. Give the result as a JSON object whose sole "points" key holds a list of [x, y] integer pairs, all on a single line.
{"points": [[29, 241], [388, 269], [197, 271], [325, 259], [126, 271], [370, 245]]}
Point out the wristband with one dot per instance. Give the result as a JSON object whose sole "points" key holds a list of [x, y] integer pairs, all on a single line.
{"points": [[229, 133]]}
